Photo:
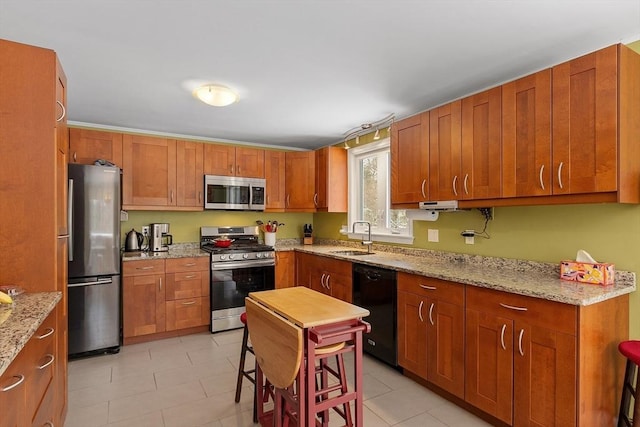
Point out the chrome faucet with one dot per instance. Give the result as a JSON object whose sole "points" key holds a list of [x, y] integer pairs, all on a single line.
{"points": [[367, 242]]}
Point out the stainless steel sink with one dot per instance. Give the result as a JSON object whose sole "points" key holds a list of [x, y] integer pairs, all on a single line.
{"points": [[351, 252]]}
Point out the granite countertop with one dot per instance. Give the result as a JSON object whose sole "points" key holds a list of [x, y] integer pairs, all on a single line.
{"points": [[534, 279], [20, 320], [179, 250]]}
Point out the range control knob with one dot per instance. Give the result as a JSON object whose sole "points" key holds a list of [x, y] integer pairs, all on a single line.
{"points": [[258, 255], [223, 257], [231, 256], [245, 256]]}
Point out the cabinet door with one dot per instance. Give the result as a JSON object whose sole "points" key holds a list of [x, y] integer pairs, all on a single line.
{"points": [[143, 305], [186, 313], [300, 183], [62, 252], [339, 286], [482, 145], [189, 173], [62, 189], [285, 269], [219, 159], [149, 171], [585, 123], [331, 179], [304, 266], [445, 146], [412, 333], [274, 173], [489, 364], [445, 346], [526, 136], [13, 392], [410, 160], [545, 377], [249, 162], [86, 146]]}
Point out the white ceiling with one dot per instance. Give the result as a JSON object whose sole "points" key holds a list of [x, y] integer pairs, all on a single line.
{"points": [[307, 71]]}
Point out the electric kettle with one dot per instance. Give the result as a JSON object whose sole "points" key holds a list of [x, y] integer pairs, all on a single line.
{"points": [[133, 241]]}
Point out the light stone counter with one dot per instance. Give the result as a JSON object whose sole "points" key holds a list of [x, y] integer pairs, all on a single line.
{"points": [[25, 315], [534, 279], [178, 250]]}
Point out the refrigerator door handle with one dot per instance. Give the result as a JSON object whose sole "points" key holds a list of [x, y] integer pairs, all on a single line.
{"points": [[70, 218], [95, 282]]}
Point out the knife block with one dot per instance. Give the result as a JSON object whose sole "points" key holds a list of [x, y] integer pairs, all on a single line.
{"points": [[308, 240]]}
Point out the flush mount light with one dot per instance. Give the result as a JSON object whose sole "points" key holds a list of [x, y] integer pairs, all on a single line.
{"points": [[216, 95]]}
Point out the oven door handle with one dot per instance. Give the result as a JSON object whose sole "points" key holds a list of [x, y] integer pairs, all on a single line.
{"points": [[242, 264]]}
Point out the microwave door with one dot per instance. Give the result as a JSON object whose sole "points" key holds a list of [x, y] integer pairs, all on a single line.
{"points": [[257, 200]]}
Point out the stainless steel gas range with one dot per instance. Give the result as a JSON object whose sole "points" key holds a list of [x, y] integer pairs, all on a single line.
{"points": [[245, 266]]}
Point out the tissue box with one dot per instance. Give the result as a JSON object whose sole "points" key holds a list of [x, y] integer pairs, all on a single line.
{"points": [[598, 273]]}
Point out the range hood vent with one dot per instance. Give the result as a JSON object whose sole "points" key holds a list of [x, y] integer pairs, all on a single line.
{"points": [[442, 206]]}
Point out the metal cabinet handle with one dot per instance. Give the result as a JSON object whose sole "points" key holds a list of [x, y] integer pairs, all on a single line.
{"points": [[288, 199], [420, 311], [191, 276], [75, 158], [560, 174], [160, 282], [238, 169], [540, 177], [51, 359], [327, 281], [455, 180], [48, 332], [49, 423], [171, 196], [190, 264], [150, 267], [520, 342], [20, 380], [431, 313], [430, 288], [315, 199], [188, 303], [64, 111], [513, 307], [322, 281], [466, 178], [504, 327], [199, 196], [424, 182]]}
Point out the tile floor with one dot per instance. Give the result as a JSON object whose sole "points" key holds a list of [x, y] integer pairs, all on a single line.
{"points": [[190, 381]]}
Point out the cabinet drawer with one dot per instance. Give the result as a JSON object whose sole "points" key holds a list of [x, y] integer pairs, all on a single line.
{"points": [[41, 370], [187, 264], [334, 266], [141, 268], [431, 288], [187, 313], [190, 284], [548, 314]]}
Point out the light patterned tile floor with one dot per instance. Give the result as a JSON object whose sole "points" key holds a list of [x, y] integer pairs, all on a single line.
{"points": [[190, 382]]}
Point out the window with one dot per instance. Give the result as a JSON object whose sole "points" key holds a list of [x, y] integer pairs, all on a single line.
{"points": [[369, 195]]}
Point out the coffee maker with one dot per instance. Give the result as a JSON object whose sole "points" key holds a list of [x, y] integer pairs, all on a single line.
{"points": [[160, 238]]}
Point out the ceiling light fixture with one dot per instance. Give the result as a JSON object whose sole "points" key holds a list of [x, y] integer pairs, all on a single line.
{"points": [[365, 128], [216, 95], [376, 136]]}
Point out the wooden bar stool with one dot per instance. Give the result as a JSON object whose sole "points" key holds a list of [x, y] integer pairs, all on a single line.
{"points": [[243, 372], [630, 387]]}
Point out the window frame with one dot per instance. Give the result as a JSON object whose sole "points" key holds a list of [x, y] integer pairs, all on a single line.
{"points": [[353, 157]]}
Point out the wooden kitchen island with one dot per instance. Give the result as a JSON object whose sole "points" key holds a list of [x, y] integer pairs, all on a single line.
{"points": [[324, 321]]}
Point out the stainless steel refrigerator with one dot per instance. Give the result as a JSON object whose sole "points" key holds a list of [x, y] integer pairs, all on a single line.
{"points": [[94, 291]]}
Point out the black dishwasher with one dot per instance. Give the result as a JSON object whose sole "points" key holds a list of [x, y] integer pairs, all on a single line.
{"points": [[374, 288]]}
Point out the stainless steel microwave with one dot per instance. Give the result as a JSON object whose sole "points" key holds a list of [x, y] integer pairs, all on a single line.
{"points": [[234, 193]]}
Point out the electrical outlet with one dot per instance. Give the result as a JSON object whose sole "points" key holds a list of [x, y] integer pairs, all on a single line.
{"points": [[433, 235], [469, 240], [145, 230]]}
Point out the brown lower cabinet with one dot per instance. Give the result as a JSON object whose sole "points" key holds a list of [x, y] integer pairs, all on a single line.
{"points": [[28, 386], [323, 274], [285, 269], [431, 330], [164, 297]]}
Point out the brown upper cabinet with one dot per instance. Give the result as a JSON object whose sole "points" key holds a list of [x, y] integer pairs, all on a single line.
{"points": [[88, 145], [481, 146], [274, 173], [445, 151], [331, 180], [410, 160], [300, 169], [526, 136], [189, 174], [228, 160], [149, 171]]}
